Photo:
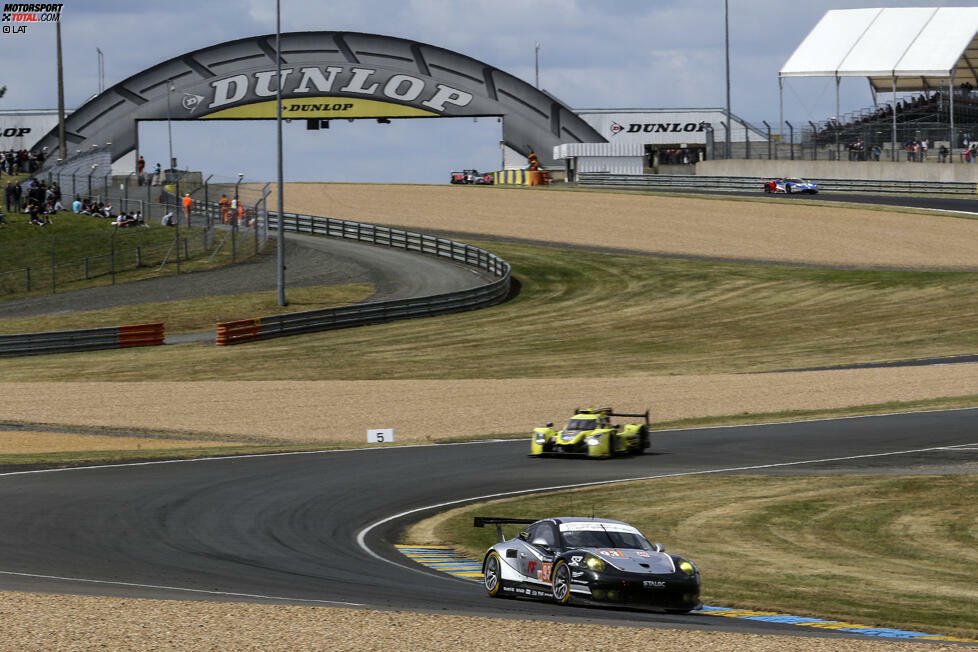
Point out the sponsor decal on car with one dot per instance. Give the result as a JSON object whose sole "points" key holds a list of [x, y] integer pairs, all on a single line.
{"points": [[653, 584], [610, 553], [544, 573]]}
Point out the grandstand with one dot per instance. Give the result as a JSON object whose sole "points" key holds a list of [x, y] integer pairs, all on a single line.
{"points": [[931, 53]]}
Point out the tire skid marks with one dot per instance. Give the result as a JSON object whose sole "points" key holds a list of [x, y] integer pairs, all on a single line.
{"points": [[447, 560]]}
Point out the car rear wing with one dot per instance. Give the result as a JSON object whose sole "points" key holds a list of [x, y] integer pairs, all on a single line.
{"points": [[611, 413], [644, 415], [481, 521]]}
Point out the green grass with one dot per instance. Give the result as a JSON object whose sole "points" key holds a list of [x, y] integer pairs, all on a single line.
{"points": [[195, 315], [69, 237], [584, 313], [875, 550], [82, 247]]}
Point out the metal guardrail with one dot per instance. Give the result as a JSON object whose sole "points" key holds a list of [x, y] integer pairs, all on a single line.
{"points": [[310, 321], [91, 339], [754, 183]]}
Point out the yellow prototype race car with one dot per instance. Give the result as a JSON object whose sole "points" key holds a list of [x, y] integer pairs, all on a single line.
{"points": [[590, 433]]}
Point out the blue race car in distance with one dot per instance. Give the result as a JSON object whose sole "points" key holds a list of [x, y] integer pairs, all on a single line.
{"points": [[790, 186]]}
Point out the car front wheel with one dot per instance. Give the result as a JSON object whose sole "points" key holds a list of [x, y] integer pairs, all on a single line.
{"points": [[493, 573], [561, 582]]}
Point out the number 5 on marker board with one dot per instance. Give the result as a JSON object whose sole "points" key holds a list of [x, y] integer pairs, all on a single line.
{"points": [[381, 436]]}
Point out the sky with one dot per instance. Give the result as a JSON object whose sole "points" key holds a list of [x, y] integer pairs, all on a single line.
{"points": [[608, 54]]}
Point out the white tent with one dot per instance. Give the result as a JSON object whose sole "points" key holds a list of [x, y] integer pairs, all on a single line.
{"points": [[906, 49]]}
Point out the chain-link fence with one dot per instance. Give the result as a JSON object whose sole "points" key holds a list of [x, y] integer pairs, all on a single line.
{"points": [[205, 229]]}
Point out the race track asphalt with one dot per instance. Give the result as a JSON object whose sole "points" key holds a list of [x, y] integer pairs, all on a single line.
{"points": [[285, 528]]}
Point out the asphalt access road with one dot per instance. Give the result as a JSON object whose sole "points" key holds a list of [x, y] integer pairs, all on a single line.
{"points": [[310, 261], [285, 528]]}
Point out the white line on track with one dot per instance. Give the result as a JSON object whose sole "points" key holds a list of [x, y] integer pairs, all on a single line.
{"points": [[362, 534], [185, 590]]}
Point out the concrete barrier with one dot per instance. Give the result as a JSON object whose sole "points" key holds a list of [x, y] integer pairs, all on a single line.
{"points": [[864, 170]]}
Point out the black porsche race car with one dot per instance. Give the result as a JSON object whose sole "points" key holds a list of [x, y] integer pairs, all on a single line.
{"points": [[592, 560]]}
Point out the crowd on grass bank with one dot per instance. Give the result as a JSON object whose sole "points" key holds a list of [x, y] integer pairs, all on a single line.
{"points": [[38, 199]]}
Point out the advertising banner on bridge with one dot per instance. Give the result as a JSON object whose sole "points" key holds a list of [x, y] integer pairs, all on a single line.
{"points": [[22, 129]]}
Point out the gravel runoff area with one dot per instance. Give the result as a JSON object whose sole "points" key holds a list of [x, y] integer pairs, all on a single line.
{"points": [[419, 410], [60, 622], [674, 226], [764, 230]]}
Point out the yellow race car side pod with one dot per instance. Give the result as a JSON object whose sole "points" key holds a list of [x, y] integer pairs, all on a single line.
{"points": [[590, 433]]}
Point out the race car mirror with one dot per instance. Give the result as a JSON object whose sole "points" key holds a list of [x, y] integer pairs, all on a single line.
{"points": [[540, 542]]}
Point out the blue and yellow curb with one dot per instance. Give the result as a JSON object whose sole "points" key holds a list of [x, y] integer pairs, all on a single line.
{"points": [[447, 560]]}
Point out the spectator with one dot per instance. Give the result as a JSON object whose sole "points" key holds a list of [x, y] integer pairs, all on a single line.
{"points": [[8, 196], [877, 151], [942, 154], [76, 206], [167, 220], [3, 221], [157, 175], [140, 168], [17, 193], [188, 207], [225, 205]]}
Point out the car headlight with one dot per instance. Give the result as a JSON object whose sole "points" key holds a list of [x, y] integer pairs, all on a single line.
{"points": [[595, 563], [593, 440], [687, 567], [540, 438]]}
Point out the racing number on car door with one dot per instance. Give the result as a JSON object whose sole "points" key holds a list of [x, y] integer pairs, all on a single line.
{"points": [[544, 573]]}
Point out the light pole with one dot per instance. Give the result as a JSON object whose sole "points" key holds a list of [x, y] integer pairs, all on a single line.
{"points": [[726, 43], [94, 165], [280, 248], [537, 60], [169, 126], [101, 70]]}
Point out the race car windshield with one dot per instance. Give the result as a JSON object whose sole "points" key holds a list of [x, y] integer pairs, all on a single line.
{"points": [[582, 424], [605, 539]]}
